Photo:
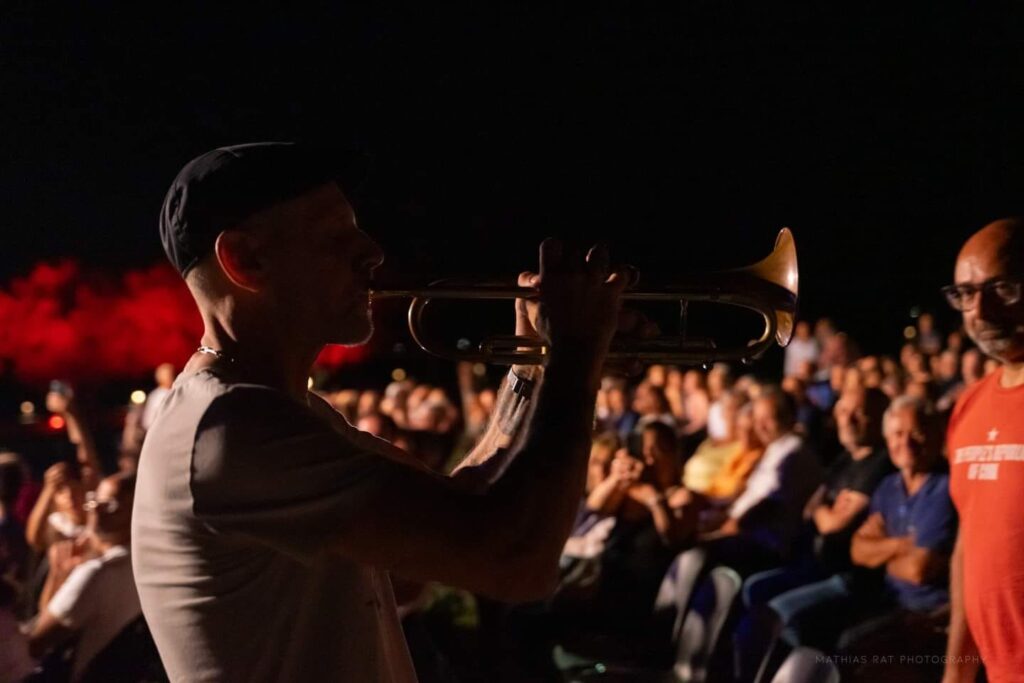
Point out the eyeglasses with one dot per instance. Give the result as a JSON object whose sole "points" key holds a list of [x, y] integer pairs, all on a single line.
{"points": [[91, 503], [963, 297]]}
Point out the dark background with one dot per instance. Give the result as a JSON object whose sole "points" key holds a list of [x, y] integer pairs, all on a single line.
{"points": [[685, 135]]}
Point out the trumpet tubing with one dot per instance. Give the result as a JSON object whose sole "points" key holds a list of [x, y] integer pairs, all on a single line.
{"points": [[769, 287]]}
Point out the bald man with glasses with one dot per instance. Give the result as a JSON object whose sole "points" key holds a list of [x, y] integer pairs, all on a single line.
{"points": [[985, 447]]}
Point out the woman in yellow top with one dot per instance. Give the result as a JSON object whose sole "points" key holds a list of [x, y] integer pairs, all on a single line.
{"points": [[702, 510], [712, 454], [732, 477]]}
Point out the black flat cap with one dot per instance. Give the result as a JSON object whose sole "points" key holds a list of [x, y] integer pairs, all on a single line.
{"points": [[221, 188]]}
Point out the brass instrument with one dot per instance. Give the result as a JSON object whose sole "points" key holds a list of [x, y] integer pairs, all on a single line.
{"points": [[768, 287]]}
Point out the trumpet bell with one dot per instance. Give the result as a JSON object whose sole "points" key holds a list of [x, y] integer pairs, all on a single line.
{"points": [[779, 268]]}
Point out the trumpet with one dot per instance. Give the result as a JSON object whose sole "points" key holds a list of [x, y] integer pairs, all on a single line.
{"points": [[768, 287]]}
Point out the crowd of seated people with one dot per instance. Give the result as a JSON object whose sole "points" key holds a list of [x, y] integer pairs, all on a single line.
{"points": [[836, 509], [69, 610], [419, 418], [823, 490]]}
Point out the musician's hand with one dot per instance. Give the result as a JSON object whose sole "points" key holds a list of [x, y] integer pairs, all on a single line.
{"points": [[526, 309], [578, 303], [630, 324], [580, 298]]}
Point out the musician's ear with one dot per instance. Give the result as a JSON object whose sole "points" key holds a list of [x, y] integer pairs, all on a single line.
{"points": [[239, 256]]}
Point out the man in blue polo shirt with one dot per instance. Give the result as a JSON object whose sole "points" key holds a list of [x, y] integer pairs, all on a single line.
{"points": [[911, 525], [918, 528], [910, 531]]}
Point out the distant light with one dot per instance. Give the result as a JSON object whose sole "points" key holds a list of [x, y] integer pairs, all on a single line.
{"points": [[479, 369], [309, 383], [28, 408], [138, 397], [56, 422], [909, 332], [398, 374], [463, 344]]}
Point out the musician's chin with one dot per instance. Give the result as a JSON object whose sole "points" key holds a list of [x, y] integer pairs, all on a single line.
{"points": [[366, 332], [356, 330]]}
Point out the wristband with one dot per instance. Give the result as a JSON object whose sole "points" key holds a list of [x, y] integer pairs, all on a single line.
{"points": [[520, 386]]}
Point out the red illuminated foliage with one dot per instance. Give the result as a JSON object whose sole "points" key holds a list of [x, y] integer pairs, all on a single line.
{"points": [[61, 321]]}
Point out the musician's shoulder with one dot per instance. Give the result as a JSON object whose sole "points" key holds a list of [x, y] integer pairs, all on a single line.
{"points": [[256, 410]]}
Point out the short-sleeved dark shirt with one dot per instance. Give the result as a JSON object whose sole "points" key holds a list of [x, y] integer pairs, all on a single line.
{"points": [[862, 476]]}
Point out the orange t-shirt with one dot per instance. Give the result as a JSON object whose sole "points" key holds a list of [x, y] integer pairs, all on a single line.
{"points": [[732, 477], [985, 446]]}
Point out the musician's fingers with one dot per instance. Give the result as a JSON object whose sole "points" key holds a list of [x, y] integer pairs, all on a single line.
{"points": [[622, 277], [632, 275], [598, 261], [551, 255], [572, 258], [526, 308], [528, 279]]}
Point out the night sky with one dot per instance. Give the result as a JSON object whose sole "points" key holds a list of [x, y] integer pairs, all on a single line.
{"points": [[686, 136]]}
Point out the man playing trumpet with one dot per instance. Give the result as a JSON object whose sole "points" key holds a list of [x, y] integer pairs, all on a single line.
{"points": [[265, 526]]}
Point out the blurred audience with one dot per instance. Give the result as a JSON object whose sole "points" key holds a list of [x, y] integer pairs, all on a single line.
{"points": [[164, 376], [712, 453], [929, 340], [57, 515], [759, 528], [97, 599], [719, 382], [803, 349], [909, 535], [16, 664], [777, 600], [639, 547], [731, 477], [13, 547], [651, 405], [693, 422], [787, 484]]}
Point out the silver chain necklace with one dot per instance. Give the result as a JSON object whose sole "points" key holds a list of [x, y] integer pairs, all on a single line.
{"points": [[216, 353]]}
